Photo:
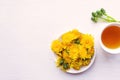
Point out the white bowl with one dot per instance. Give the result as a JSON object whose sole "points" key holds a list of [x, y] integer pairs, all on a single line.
{"points": [[109, 50], [84, 68]]}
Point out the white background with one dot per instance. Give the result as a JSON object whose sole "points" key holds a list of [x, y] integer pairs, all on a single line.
{"points": [[27, 28]]}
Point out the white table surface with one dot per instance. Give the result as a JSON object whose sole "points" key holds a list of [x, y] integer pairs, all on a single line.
{"points": [[27, 28]]}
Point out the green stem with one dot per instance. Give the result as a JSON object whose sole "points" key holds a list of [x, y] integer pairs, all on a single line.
{"points": [[106, 20], [111, 18]]}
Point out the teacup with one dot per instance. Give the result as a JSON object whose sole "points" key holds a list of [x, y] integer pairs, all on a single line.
{"points": [[110, 38]]}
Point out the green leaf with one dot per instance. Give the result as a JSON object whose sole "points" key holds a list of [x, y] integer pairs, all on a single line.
{"points": [[66, 66], [61, 61], [77, 41]]}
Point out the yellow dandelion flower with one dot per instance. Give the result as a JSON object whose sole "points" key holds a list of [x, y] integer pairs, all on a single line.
{"points": [[74, 50], [56, 46], [87, 41], [86, 62], [66, 57], [76, 65], [82, 52], [69, 36]]}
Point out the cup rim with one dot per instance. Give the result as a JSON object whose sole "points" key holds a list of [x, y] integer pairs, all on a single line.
{"points": [[111, 51]]}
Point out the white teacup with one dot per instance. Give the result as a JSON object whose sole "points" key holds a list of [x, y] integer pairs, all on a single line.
{"points": [[110, 30]]}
